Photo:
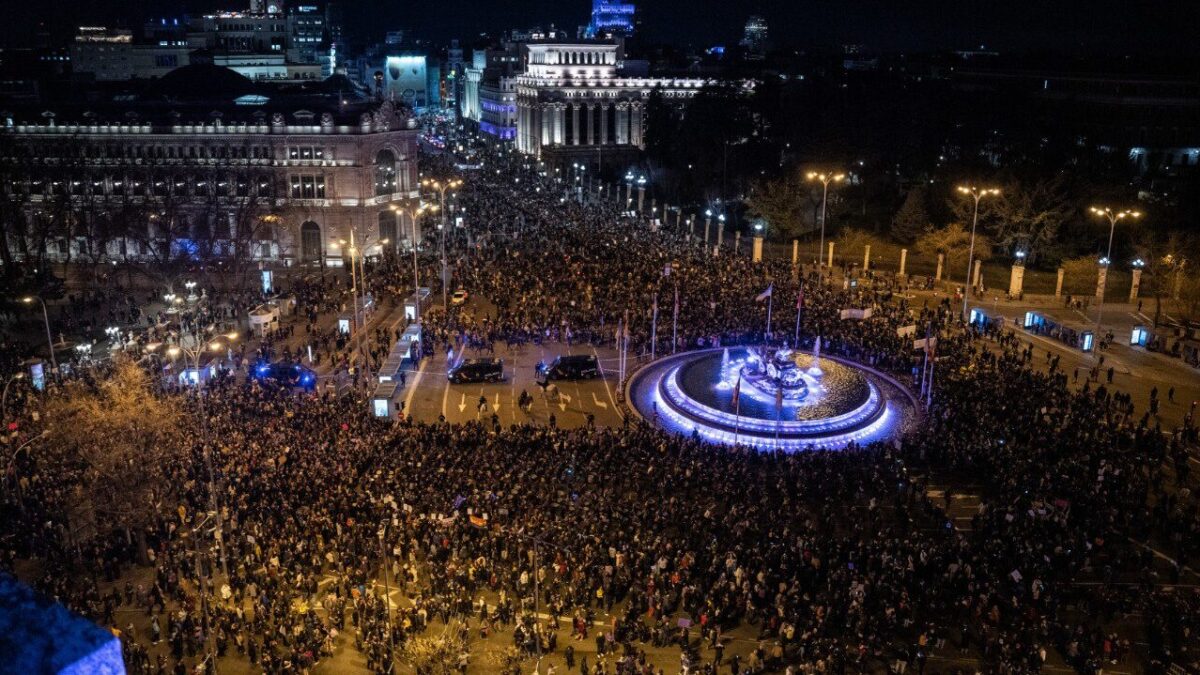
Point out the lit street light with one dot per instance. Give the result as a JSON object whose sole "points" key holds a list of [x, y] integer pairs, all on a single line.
{"points": [[976, 194], [824, 179], [45, 317], [1112, 216], [412, 212], [440, 186]]}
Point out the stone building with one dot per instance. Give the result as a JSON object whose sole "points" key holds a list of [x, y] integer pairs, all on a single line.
{"points": [[204, 164], [575, 102]]}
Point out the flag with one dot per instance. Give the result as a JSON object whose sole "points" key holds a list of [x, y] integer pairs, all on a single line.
{"points": [[737, 392], [765, 294]]}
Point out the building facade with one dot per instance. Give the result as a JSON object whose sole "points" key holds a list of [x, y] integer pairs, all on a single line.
{"points": [[573, 97], [611, 18], [249, 181]]}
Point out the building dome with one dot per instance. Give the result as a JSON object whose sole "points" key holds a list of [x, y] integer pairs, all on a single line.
{"points": [[200, 82]]}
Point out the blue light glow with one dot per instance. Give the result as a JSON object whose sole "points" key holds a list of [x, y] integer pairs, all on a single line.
{"points": [[660, 392]]}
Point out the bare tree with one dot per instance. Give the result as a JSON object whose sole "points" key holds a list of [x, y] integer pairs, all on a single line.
{"points": [[117, 437]]}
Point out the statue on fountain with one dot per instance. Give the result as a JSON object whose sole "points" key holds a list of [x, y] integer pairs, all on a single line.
{"points": [[779, 372]]}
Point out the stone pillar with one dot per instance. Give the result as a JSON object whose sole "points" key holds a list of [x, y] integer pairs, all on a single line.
{"points": [[707, 225], [720, 234], [975, 276], [591, 122], [691, 227], [795, 252], [1058, 283], [1101, 282], [1016, 280], [1135, 285], [575, 124], [831, 254], [903, 259], [635, 127], [623, 123], [866, 257], [756, 255], [560, 123], [604, 123], [937, 276], [737, 241], [536, 131]]}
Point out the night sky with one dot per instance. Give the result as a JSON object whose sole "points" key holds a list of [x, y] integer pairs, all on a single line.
{"points": [[1166, 27]]}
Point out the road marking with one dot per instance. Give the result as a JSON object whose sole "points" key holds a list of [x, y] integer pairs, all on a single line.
{"points": [[563, 400], [496, 404], [606, 387], [599, 404], [462, 403], [412, 392], [445, 400]]}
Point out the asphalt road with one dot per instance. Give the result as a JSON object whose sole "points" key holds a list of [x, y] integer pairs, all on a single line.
{"points": [[431, 395]]}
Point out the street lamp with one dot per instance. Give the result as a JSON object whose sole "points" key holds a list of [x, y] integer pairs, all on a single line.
{"points": [[45, 317], [412, 212], [1112, 215], [193, 352], [824, 179], [440, 186], [20, 375], [976, 194], [641, 181]]}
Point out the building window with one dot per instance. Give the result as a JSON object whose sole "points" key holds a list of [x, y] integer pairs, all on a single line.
{"points": [[385, 173], [307, 187]]}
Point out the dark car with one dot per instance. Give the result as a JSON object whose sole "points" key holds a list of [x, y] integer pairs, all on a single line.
{"points": [[575, 367], [285, 374], [476, 370]]}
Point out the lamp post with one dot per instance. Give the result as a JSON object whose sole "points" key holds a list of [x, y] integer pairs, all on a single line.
{"points": [[13, 460], [412, 212], [707, 225], [628, 189], [440, 186], [977, 194], [193, 352], [824, 179], [1112, 215], [641, 181], [20, 375], [45, 317]]}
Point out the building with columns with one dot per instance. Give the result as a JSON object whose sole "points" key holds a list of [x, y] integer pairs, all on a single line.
{"points": [[574, 101], [205, 165]]}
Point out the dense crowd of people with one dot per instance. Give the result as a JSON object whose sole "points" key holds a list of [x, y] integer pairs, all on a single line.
{"points": [[617, 550]]}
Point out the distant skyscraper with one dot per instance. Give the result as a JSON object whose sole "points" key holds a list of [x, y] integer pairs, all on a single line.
{"points": [[610, 17], [754, 38]]}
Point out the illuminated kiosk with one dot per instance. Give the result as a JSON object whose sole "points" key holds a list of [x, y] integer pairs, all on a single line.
{"points": [[785, 400]]}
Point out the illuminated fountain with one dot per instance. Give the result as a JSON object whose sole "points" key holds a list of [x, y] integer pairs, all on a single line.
{"points": [[786, 399]]}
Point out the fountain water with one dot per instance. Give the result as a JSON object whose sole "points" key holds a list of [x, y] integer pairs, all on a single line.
{"points": [[815, 369]]}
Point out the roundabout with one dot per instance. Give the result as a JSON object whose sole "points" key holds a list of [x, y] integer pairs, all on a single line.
{"points": [[771, 398]]}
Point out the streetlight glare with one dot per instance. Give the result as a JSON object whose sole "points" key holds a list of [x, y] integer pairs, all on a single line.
{"points": [[27, 299]]}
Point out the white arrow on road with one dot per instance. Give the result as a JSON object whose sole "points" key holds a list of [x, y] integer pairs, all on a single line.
{"points": [[496, 405], [563, 401], [598, 402], [462, 404]]}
